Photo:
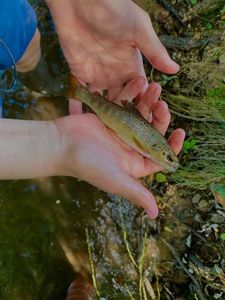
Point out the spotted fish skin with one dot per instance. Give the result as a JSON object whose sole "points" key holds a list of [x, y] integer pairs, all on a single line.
{"points": [[129, 126]]}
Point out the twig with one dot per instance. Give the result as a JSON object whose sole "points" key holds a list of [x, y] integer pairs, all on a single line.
{"points": [[140, 268], [175, 254], [149, 288], [129, 293], [93, 275], [157, 285], [172, 10], [127, 244]]}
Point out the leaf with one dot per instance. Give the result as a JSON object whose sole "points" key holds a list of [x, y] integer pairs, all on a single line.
{"points": [[194, 2], [190, 145], [160, 177], [209, 26], [187, 145], [219, 193], [222, 236]]}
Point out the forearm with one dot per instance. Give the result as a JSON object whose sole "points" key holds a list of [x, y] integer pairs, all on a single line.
{"points": [[28, 149]]}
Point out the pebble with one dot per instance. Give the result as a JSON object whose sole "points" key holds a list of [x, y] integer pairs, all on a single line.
{"points": [[196, 198], [203, 205], [198, 218]]}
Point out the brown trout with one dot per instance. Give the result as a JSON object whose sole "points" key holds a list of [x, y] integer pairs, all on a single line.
{"points": [[131, 127]]}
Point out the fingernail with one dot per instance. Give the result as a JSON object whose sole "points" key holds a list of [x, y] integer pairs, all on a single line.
{"points": [[157, 91], [152, 214], [175, 65]]}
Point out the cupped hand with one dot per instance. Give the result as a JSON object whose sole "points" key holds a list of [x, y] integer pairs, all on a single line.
{"points": [[103, 41], [95, 154]]}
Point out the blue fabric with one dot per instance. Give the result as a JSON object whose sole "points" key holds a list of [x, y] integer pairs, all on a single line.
{"points": [[18, 23]]}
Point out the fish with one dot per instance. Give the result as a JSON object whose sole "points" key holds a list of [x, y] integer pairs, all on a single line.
{"points": [[131, 127]]}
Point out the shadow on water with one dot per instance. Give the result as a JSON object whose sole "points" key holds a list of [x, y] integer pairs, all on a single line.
{"points": [[34, 217]]}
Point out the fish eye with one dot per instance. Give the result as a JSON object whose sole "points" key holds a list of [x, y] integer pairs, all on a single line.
{"points": [[170, 158]]}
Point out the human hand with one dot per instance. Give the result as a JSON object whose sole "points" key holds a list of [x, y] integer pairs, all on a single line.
{"points": [[103, 40], [95, 154]]}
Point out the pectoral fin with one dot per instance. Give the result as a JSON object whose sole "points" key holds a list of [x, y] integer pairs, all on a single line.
{"points": [[139, 144]]}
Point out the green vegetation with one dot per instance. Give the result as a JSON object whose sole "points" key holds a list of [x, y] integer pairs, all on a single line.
{"points": [[204, 151], [193, 1], [189, 145]]}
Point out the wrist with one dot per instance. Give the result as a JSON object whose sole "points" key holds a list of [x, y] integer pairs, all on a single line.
{"points": [[46, 147], [67, 129], [28, 149]]}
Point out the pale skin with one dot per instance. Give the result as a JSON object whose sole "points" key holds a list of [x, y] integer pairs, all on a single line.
{"points": [[80, 145]]}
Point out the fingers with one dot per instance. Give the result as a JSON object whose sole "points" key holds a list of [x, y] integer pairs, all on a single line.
{"points": [[131, 90], [113, 93], [135, 192], [149, 99], [175, 141], [161, 117], [150, 45], [130, 78], [75, 107]]}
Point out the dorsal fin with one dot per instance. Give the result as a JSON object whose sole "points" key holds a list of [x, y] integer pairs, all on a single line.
{"points": [[131, 107]]}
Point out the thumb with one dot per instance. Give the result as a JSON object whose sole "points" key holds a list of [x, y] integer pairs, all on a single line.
{"points": [[134, 191], [151, 47], [75, 107]]}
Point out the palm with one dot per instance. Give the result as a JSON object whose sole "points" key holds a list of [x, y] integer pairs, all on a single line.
{"points": [[102, 159], [102, 41], [111, 156], [108, 67]]}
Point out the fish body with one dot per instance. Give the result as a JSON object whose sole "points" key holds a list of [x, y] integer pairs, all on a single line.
{"points": [[132, 128]]}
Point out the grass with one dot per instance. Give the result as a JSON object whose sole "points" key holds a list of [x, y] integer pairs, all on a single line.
{"points": [[144, 286], [204, 164], [93, 273], [209, 109]]}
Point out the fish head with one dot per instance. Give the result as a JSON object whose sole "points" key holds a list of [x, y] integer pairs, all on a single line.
{"points": [[158, 151], [164, 156]]}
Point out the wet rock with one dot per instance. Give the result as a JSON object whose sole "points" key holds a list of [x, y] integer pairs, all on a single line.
{"points": [[152, 253], [203, 205], [216, 218], [196, 198], [198, 218]]}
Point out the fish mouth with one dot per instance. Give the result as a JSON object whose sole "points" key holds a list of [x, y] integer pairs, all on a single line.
{"points": [[169, 166], [173, 167]]}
